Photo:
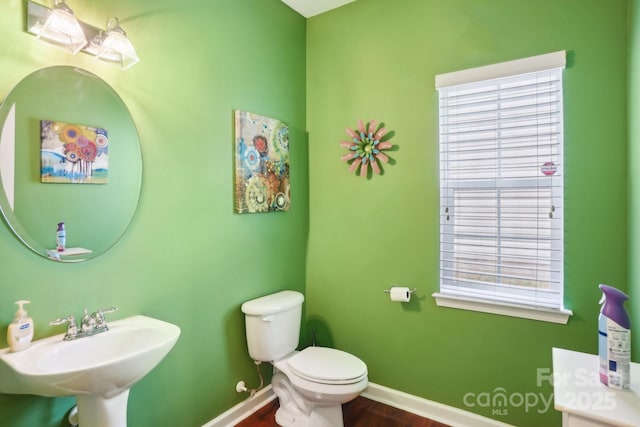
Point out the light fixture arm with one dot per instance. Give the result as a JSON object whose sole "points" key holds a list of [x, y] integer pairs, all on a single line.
{"points": [[113, 24], [62, 5]]}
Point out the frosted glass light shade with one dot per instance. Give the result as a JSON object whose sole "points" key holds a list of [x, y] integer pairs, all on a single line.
{"points": [[62, 29], [116, 49]]}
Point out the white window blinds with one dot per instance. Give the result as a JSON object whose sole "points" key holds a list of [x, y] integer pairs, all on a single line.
{"points": [[501, 185]]}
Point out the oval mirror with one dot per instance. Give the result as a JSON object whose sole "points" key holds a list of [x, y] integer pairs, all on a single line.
{"points": [[69, 152]]}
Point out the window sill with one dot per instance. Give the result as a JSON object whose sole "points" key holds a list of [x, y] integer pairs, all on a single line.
{"points": [[504, 309]]}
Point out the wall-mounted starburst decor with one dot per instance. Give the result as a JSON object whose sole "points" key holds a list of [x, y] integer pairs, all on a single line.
{"points": [[366, 148]]}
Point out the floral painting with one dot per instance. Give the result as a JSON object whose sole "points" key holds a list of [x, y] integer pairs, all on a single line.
{"points": [[72, 153], [262, 164]]}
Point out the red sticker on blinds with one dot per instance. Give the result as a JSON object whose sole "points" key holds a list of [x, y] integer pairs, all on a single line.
{"points": [[549, 168]]}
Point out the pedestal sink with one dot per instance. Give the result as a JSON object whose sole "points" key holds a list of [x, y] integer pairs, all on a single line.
{"points": [[99, 370]]}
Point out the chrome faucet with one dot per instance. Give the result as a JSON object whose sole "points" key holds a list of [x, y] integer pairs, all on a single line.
{"points": [[91, 324]]}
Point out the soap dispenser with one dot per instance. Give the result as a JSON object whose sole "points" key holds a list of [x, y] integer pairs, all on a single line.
{"points": [[20, 331], [61, 237]]}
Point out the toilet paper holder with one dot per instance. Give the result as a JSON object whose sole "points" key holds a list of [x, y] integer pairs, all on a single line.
{"points": [[387, 291]]}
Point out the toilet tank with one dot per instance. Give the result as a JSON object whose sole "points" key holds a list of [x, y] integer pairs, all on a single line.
{"points": [[272, 325]]}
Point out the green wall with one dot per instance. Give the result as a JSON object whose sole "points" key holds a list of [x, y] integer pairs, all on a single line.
{"points": [[373, 60], [187, 258], [634, 175]]}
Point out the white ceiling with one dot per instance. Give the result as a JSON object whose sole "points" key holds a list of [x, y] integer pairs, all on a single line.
{"points": [[309, 8]]}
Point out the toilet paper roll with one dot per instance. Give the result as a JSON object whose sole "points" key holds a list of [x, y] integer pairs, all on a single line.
{"points": [[400, 294]]}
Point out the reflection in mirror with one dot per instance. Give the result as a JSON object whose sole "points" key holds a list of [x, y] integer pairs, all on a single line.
{"points": [[95, 215]]}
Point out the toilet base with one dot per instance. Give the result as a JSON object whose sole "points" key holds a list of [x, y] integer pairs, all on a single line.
{"points": [[297, 412], [326, 416]]}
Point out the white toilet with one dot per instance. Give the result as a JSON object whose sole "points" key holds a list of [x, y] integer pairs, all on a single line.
{"points": [[311, 384]]}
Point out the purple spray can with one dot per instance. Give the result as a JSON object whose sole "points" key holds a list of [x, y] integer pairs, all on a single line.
{"points": [[614, 339]]}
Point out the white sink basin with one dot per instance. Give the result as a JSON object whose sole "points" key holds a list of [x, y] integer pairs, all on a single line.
{"points": [[98, 370]]}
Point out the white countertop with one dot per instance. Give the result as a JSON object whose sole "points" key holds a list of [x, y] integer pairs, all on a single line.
{"points": [[577, 390]]}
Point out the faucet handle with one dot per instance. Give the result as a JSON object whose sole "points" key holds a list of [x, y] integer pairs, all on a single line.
{"points": [[99, 316], [69, 319], [72, 329]]}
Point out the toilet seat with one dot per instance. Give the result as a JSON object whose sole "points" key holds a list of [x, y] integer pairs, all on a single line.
{"points": [[327, 366]]}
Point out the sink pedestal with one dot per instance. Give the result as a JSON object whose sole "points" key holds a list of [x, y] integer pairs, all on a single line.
{"points": [[95, 411]]}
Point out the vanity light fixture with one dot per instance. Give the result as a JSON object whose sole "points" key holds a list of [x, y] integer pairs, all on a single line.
{"points": [[113, 47], [59, 27]]}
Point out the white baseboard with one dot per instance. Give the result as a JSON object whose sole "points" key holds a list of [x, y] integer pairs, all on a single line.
{"points": [[243, 409], [398, 399], [428, 409]]}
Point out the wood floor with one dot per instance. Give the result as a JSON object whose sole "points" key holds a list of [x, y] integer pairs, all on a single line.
{"points": [[360, 412]]}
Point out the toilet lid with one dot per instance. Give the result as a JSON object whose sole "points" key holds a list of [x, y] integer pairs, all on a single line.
{"points": [[327, 366]]}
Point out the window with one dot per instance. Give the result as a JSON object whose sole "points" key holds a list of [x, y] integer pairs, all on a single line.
{"points": [[501, 188]]}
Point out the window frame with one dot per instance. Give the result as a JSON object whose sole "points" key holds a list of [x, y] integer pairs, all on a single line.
{"points": [[456, 297]]}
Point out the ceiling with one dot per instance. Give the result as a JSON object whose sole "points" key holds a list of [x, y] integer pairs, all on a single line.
{"points": [[309, 8]]}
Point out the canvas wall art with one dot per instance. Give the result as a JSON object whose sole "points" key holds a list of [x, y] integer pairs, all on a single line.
{"points": [[71, 153], [261, 164]]}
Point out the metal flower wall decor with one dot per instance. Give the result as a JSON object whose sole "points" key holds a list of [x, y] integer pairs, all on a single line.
{"points": [[366, 148]]}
